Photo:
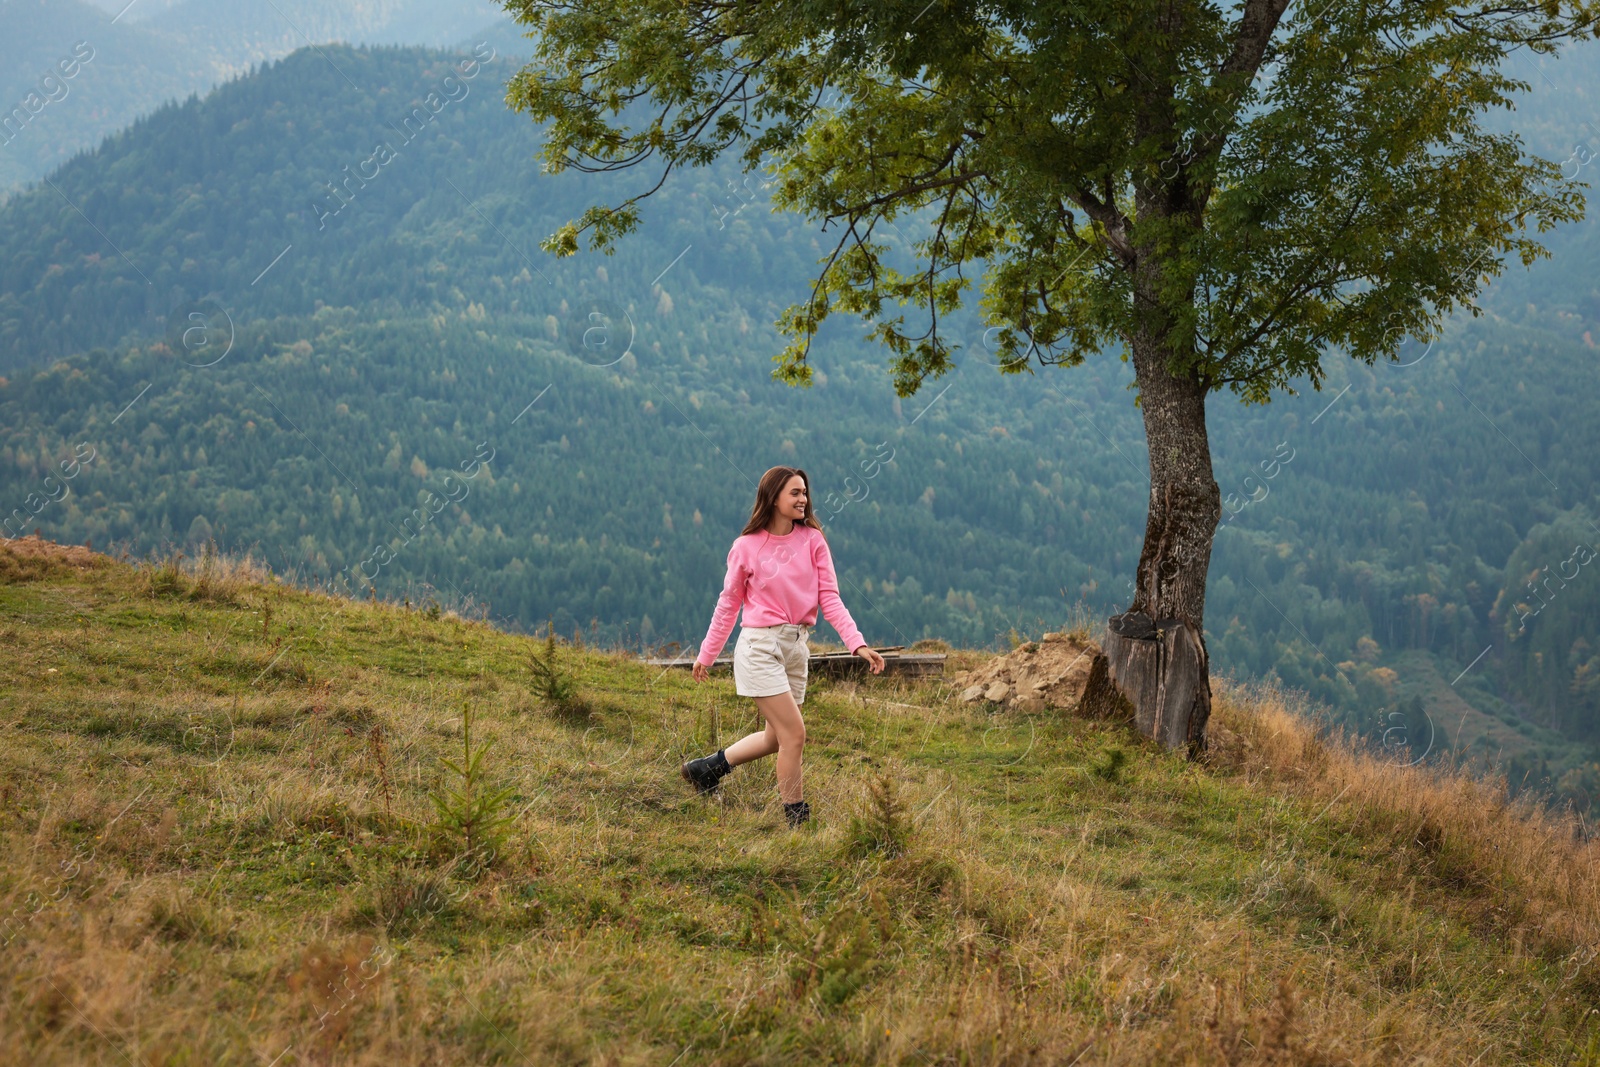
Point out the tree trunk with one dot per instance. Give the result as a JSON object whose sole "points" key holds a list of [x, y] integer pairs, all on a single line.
{"points": [[1155, 653]]}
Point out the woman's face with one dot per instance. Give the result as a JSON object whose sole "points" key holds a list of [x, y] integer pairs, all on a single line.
{"points": [[792, 502]]}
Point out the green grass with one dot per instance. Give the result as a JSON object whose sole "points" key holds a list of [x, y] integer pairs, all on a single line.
{"points": [[215, 816]]}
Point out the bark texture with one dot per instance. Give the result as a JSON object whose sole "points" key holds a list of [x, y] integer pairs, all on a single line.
{"points": [[1155, 653], [1185, 503], [1165, 681]]}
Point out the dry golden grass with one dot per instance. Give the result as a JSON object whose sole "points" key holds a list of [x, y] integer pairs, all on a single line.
{"points": [[31, 558], [1537, 868]]}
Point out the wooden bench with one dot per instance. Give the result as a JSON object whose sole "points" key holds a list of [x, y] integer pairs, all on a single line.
{"points": [[838, 664]]}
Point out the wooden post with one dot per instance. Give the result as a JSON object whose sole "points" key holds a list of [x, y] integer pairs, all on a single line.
{"points": [[1159, 668]]}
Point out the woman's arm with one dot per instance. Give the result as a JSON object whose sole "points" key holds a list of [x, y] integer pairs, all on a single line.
{"points": [[833, 608], [729, 601]]}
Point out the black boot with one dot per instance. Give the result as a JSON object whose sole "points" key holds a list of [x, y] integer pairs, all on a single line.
{"points": [[704, 773], [797, 813]]}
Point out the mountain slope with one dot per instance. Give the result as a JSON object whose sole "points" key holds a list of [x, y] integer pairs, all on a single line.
{"points": [[436, 330], [217, 850], [386, 327], [52, 112], [146, 54]]}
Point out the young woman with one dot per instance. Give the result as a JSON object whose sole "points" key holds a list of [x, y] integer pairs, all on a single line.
{"points": [[779, 571]]}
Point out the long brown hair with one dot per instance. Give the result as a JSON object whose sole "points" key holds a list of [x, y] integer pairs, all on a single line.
{"points": [[766, 504]]}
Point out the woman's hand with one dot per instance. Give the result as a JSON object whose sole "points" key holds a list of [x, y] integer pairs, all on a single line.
{"points": [[701, 671], [866, 653]]}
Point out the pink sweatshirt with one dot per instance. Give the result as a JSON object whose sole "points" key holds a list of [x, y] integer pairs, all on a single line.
{"points": [[779, 580]]}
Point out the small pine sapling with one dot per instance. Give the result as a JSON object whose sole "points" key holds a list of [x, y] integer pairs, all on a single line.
{"points": [[471, 815], [883, 828], [553, 685]]}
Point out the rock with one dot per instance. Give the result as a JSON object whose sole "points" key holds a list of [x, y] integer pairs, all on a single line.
{"points": [[1053, 672], [1032, 704]]}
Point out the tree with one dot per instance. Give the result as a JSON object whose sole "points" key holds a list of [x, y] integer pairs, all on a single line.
{"points": [[1228, 191]]}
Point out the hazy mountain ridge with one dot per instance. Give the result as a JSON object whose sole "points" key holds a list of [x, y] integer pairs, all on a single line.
{"points": [[147, 54]]}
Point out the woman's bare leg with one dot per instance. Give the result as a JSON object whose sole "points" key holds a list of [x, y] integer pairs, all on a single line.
{"points": [[785, 734], [752, 746]]}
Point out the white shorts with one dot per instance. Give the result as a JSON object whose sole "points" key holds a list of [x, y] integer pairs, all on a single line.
{"points": [[768, 660]]}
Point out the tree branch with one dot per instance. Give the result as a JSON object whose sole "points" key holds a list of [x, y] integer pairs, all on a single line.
{"points": [[1256, 26]]}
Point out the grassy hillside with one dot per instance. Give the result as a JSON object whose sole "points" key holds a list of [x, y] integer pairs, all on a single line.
{"points": [[1384, 536], [219, 849]]}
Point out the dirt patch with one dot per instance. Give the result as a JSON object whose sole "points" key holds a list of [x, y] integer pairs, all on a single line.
{"points": [[30, 558], [1037, 675]]}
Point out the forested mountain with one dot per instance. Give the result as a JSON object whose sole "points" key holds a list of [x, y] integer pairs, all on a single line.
{"points": [[282, 315], [428, 275], [123, 59]]}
